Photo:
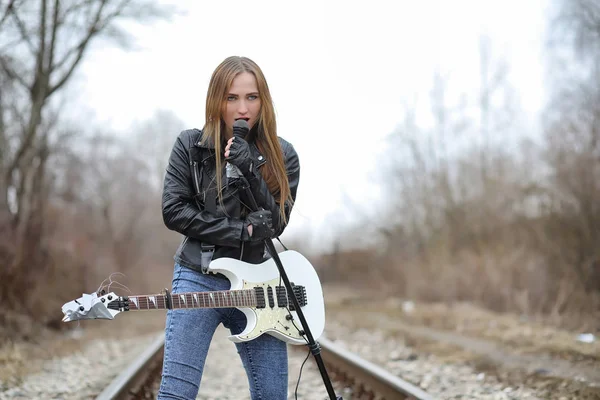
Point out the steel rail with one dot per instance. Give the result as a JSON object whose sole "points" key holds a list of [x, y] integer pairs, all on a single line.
{"points": [[367, 378], [133, 379]]}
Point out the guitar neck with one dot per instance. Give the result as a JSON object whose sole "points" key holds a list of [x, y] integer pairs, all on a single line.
{"points": [[218, 299]]}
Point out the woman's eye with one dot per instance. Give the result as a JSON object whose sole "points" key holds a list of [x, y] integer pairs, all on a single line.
{"points": [[230, 98], [252, 97]]}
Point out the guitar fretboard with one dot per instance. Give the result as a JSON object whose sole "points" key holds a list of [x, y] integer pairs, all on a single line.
{"points": [[220, 299]]}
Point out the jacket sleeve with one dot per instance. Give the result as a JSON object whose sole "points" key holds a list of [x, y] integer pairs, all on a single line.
{"points": [[263, 196], [179, 210]]}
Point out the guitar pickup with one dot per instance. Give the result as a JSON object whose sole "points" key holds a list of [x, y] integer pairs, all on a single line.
{"points": [[259, 292]]}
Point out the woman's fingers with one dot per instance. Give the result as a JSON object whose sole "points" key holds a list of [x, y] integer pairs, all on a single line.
{"points": [[229, 142]]}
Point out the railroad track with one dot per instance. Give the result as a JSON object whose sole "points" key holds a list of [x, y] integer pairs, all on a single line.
{"points": [[367, 380]]}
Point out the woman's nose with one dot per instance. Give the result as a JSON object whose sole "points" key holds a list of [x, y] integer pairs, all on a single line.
{"points": [[242, 107]]}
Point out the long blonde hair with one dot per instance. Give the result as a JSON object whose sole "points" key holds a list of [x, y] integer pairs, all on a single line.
{"points": [[273, 171]]}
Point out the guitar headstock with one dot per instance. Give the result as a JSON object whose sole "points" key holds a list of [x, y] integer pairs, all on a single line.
{"points": [[92, 306]]}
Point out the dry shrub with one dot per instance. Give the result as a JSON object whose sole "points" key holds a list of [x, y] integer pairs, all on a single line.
{"points": [[513, 239]]}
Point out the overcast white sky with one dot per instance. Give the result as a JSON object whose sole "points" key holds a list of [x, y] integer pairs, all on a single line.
{"points": [[339, 73]]}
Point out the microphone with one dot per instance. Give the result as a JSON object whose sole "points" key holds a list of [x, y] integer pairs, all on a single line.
{"points": [[240, 130]]}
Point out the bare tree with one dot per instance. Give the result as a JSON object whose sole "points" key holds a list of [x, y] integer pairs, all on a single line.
{"points": [[456, 189], [578, 23], [42, 43], [572, 121], [155, 138]]}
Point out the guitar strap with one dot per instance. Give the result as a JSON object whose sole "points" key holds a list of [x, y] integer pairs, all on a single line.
{"points": [[279, 240]]}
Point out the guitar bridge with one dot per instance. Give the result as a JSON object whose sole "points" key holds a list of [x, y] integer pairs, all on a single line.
{"points": [[300, 293], [284, 300]]}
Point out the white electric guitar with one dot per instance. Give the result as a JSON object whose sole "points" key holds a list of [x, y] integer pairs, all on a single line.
{"points": [[256, 289]]}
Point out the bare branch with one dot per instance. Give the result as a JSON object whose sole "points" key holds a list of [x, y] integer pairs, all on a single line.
{"points": [[25, 36], [7, 11], [92, 30], [578, 24], [11, 74], [39, 71], [56, 22]]}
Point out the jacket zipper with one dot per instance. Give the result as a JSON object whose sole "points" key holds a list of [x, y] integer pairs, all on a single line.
{"points": [[242, 252], [196, 177]]}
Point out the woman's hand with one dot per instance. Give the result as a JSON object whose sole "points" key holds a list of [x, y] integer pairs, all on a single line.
{"points": [[237, 152], [259, 226]]}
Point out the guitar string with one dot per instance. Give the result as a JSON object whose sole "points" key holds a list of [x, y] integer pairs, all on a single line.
{"points": [[238, 298], [111, 282]]}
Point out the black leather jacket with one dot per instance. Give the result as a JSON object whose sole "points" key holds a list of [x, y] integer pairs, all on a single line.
{"points": [[189, 208]]}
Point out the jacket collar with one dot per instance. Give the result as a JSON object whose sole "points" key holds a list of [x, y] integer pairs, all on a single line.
{"points": [[208, 145]]}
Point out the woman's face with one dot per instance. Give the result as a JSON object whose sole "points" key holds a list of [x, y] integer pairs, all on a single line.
{"points": [[242, 101]]}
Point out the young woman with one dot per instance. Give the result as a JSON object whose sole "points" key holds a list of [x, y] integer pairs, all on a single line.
{"points": [[217, 220]]}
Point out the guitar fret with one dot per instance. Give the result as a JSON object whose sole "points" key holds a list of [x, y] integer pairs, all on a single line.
{"points": [[135, 302], [216, 299]]}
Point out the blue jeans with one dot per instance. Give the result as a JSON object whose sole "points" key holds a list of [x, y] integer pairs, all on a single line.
{"points": [[188, 334]]}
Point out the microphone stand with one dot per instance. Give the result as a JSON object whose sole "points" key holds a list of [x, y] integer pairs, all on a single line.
{"points": [[314, 347]]}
